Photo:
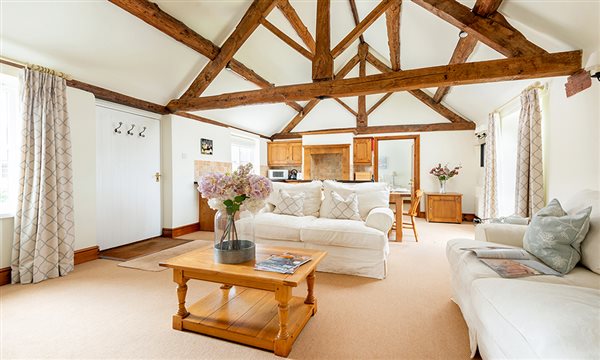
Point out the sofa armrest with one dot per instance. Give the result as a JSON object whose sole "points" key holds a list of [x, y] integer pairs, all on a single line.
{"points": [[506, 234], [380, 218]]}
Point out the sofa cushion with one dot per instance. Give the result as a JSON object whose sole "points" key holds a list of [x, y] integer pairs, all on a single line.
{"points": [[344, 233], [370, 195], [590, 247], [466, 268], [544, 321], [555, 237], [280, 227], [344, 208], [290, 204], [312, 195]]}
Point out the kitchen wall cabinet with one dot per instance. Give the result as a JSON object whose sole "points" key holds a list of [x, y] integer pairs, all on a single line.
{"points": [[444, 207], [284, 153], [362, 151]]}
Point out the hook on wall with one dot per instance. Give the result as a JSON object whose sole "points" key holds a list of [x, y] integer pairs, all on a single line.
{"points": [[130, 131], [118, 127], [141, 134]]}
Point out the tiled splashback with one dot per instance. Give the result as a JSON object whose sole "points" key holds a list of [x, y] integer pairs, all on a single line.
{"points": [[203, 167], [326, 166]]}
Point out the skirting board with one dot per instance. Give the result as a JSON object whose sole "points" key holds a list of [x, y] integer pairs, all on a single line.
{"points": [[465, 217], [180, 231], [81, 256]]}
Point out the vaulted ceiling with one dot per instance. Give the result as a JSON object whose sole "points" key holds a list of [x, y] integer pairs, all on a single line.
{"points": [[100, 43]]}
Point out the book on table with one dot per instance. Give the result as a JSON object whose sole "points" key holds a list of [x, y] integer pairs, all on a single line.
{"points": [[286, 263], [511, 262]]}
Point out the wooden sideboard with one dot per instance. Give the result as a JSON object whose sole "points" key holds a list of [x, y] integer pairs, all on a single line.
{"points": [[444, 207], [207, 215]]}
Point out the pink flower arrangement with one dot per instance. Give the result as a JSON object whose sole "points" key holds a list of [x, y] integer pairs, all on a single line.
{"points": [[444, 173], [239, 190]]}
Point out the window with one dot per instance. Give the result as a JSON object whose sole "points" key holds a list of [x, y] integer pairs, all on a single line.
{"points": [[244, 150], [9, 143], [507, 160]]}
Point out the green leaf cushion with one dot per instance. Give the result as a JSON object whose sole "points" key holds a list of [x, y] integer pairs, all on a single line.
{"points": [[555, 237]]}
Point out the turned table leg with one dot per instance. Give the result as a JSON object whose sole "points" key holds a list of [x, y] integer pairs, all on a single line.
{"points": [[283, 343], [181, 293], [310, 296]]}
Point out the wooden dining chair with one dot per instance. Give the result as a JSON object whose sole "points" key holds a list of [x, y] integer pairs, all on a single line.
{"points": [[412, 213]]}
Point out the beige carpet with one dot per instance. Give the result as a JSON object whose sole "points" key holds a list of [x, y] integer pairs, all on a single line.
{"points": [[104, 311], [150, 262]]}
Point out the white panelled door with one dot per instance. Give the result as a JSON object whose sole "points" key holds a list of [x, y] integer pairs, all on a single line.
{"points": [[128, 193]]}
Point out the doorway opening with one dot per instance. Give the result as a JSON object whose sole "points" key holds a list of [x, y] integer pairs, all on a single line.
{"points": [[397, 162]]}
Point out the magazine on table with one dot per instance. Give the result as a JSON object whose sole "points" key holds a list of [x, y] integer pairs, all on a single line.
{"points": [[511, 262], [285, 263]]}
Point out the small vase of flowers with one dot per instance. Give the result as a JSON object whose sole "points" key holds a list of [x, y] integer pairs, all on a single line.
{"points": [[230, 194], [443, 174]]}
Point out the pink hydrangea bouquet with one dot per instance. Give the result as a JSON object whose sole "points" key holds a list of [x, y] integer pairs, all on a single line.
{"points": [[237, 191], [444, 173], [231, 193]]}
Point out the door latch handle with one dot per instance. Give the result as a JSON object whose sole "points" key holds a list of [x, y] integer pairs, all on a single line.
{"points": [[157, 175]]}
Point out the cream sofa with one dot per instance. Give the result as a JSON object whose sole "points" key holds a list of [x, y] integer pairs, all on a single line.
{"points": [[353, 247], [536, 317]]}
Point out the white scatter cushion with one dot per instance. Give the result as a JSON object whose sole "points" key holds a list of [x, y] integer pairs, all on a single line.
{"points": [[290, 204], [590, 247], [312, 195], [370, 195], [344, 208]]}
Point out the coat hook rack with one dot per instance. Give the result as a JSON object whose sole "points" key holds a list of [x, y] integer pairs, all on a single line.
{"points": [[118, 127], [130, 131], [141, 134]]}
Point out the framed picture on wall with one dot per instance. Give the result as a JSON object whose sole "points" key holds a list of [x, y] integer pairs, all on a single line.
{"points": [[206, 146]]}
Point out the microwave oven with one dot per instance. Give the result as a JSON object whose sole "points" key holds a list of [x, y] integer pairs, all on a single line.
{"points": [[278, 174]]}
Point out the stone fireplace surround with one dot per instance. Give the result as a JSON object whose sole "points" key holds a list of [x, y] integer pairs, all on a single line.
{"points": [[330, 156]]}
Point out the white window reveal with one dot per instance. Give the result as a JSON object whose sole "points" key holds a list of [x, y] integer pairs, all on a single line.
{"points": [[244, 150], [10, 141]]}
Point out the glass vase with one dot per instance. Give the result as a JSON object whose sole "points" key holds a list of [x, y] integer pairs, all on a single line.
{"points": [[442, 186], [234, 237]]}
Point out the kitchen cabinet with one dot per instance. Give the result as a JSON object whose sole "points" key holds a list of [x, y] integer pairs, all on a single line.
{"points": [[284, 153], [362, 151], [444, 207]]}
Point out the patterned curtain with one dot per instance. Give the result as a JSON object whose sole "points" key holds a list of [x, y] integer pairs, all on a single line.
{"points": [[43, 241], [490, 185], [529, 189]]}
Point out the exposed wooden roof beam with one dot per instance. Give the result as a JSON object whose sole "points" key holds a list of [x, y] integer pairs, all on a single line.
{"points": [[526, 67], [322, 65], [312, 103], [290, 14], [379, 102], [151, 14], [381, 130], [392, 17], [288, 40], [420, 94], [356, 18], [494, 33], [465, 46], [362, 121], [345, 106], [217, 123], [361, 27], [257, 10]]}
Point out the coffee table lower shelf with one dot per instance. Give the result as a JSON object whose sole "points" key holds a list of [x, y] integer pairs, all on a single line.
{"points": [[247, 316]]}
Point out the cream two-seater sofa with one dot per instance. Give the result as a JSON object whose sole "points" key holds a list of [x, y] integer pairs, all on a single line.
{"points": [[536, 317], [354, 247]]}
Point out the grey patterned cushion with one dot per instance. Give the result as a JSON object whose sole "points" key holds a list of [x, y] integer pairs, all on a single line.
{"points": [[290, 204], [344, 208], [555, 237]]}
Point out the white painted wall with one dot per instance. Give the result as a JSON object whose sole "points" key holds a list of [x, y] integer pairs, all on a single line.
{"points": [[571, 143], [81, 108], [181, 147]]}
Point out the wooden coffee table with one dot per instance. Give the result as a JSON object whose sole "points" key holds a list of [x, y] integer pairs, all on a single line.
{"points": [[244, 309]]}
